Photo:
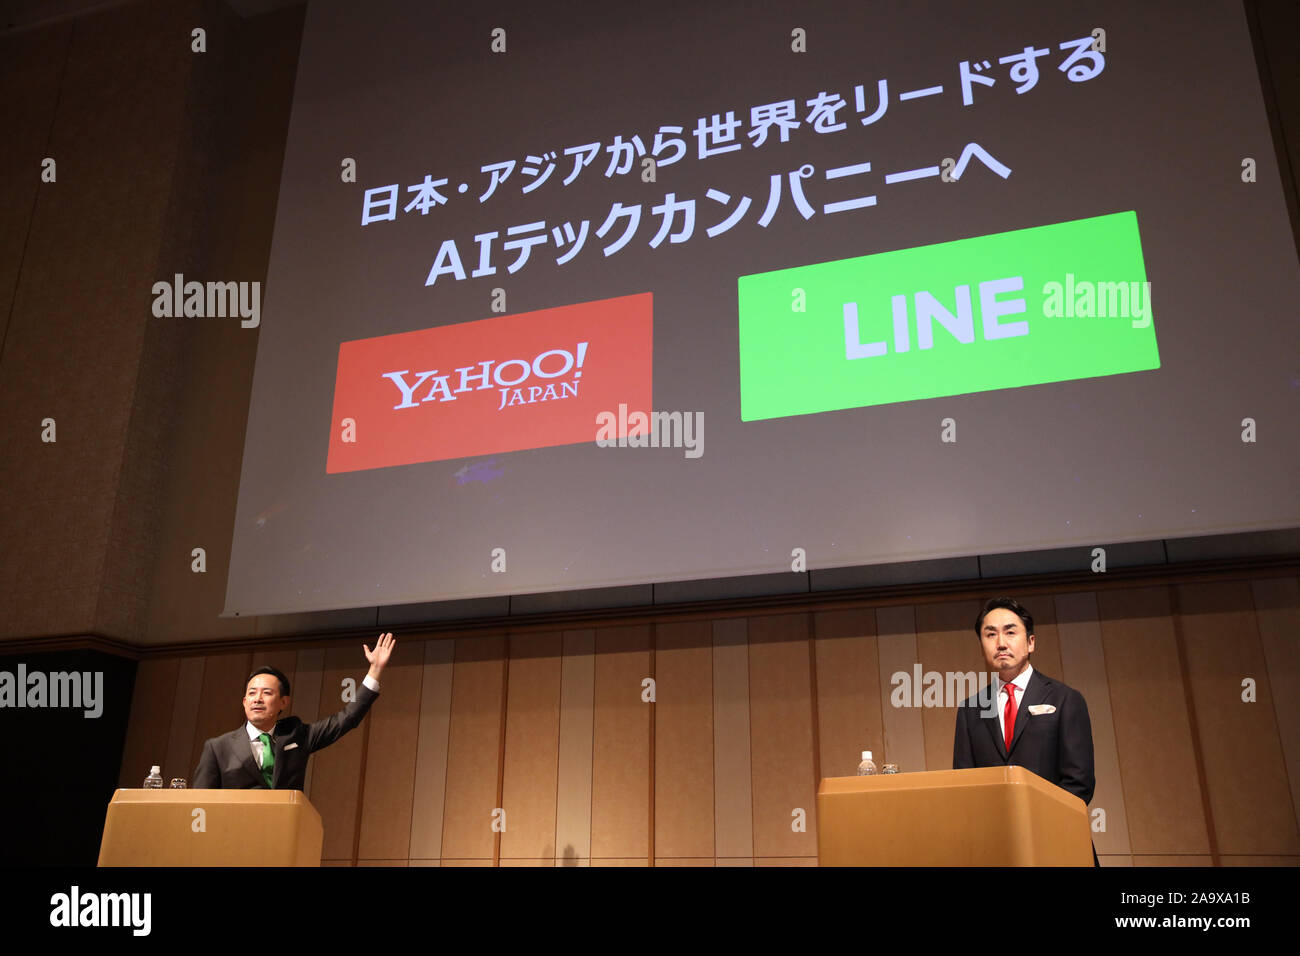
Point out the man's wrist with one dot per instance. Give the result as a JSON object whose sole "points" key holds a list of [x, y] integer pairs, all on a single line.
{"points": [[371, 680]]}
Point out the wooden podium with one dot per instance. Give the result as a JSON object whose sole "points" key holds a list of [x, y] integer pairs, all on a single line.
{"points": [[239, 828], [988, 816]]}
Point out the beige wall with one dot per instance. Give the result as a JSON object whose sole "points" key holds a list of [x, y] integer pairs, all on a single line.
{"points": [[750, 711]]}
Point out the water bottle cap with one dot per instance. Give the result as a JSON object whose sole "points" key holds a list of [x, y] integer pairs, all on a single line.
{"points": [[866, 755], [155, 769]]}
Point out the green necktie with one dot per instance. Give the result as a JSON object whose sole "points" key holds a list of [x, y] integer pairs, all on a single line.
{"points": [[268, 760]]}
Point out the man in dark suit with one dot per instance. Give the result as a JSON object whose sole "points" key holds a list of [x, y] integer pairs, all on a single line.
{"points": [[270, 751], [1035, 722]]}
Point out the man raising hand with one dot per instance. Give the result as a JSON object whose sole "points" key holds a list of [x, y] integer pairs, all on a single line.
{"points": [[270, 751]]}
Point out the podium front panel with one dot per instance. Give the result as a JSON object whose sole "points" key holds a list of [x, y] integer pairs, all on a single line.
{"points": [[987, 816], [211, 828]]}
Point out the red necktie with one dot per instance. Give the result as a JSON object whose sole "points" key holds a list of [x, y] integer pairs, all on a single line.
{"points": [[1009, 716]]}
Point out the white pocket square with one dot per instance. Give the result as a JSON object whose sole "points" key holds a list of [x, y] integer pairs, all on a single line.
{"points": [[1035, 709], [292, 746]]}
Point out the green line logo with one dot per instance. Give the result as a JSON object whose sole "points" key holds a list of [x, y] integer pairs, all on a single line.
{"points": [[1047, 304]]}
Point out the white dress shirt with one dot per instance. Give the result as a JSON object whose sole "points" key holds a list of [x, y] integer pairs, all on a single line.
{"points": [[1021, 681]]}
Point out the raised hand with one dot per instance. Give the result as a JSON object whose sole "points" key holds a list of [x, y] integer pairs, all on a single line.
{"points": [[378, 658]]}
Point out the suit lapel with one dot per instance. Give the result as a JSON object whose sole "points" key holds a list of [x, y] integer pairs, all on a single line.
{"points": [[278, 739], [995, 727], [1035, 693], [245, 749]]}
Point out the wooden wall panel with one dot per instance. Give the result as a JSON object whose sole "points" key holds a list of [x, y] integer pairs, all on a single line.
{"points": [[577, 716], [683, 861], [1083, 667], [733, 782], [473, 750], [1277, 613], [1250, 796], [683, 808], [391, 752], [620, 767], [1047, 643], [747, 711], [308, 671], [220, 703], [849, 718], [433, 732], [903, 736], [154, 707], [1259, 861], [336, 780], [946, 642], [1171, 859], [180, 740], [1152, 730], [530, 774], [781, 735], [284, 660]]}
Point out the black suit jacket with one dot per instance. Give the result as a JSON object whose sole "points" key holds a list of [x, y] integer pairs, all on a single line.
{"points": [[1056, 746], [227, 761]]}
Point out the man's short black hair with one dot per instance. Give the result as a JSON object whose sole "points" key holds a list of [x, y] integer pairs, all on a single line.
{"points": [[284, 681], [1012, 605]]}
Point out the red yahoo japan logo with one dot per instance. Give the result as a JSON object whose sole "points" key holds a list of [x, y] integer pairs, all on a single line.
{"points": [[503, 384]]}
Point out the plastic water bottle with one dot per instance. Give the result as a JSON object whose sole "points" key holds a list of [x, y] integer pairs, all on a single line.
{"points": [[868, 766], [154, 780]]}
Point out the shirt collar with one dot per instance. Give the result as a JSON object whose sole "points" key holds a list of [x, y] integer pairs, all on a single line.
{"points": [[1021, 680]]}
